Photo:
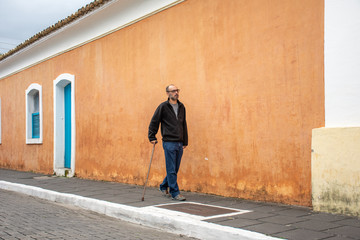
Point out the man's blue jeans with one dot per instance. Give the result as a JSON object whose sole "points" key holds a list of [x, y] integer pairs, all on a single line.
{"points": [[173, 153]]}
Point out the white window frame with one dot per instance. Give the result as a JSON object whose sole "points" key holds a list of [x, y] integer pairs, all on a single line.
{"points": [[28, 101]]}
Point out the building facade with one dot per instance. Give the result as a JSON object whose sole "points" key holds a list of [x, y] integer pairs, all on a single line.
{"points": [[79, 100]]}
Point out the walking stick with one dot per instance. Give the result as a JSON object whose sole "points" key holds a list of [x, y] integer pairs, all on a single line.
{"points": [[147, 177]]}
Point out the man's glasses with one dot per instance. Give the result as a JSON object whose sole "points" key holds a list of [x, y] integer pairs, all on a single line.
{"points": [[174, 91]]}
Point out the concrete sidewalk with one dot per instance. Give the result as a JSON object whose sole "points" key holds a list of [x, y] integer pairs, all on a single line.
{"points": [[201, 216]]}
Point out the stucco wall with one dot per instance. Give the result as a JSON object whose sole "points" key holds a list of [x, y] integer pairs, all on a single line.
{"points": [[335, 170], [251, 78], [14, 152]]}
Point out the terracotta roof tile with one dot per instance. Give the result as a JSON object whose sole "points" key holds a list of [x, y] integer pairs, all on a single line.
{"points": [[81, 12]]}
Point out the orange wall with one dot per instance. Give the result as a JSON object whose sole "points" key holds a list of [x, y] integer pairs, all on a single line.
{"points": [[14, 152], [251, 75]]}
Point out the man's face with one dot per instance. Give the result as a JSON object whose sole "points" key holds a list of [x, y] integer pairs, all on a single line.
{"points": [[173, 93]]}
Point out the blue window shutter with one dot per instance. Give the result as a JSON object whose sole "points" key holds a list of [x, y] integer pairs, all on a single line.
{"points": [[35, 125]]}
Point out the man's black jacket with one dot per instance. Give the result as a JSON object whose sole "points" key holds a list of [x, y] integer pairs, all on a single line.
{"points": [[172, 129]]}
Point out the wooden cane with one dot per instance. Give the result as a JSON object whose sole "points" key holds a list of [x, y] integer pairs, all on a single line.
{"points": [[147, 177]]}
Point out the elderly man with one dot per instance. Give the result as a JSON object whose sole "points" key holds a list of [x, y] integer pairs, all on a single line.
{"points": [[171, 114]]}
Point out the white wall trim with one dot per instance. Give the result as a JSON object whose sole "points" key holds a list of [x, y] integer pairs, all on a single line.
{"points": [[59, 133], [105, 20], [29, 90]]}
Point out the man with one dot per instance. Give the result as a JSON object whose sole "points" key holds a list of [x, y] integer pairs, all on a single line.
{"points": [[171, 114]]}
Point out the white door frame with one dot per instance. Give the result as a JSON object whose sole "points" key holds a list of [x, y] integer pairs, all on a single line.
{"points": [[59, 125]]}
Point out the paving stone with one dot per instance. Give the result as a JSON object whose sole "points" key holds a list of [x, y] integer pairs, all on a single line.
{"points": [[269, 228], [148, 202], [326, 217], [246, 205], [220, 219], [239, 223], [231, 202], [202, 198], [338, 238], [255, 215], [197, 209], [355, 222], [282, 219], [110, 191], [271, 208], [295, 212], [302, 234], [316, 225], [346, 231]]}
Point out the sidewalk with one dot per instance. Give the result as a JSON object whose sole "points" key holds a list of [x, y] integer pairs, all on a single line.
{"points": [[201, 216]]}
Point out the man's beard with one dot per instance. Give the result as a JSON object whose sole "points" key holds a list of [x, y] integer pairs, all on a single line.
{"points": [[174, 98]]}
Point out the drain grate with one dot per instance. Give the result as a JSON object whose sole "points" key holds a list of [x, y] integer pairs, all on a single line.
{"points": [[198, 209]]}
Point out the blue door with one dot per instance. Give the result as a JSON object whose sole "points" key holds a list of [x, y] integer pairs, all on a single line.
{"points": [[67, 104]]}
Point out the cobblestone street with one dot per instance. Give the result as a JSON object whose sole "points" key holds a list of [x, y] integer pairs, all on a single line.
{"points": [[25, 217]]}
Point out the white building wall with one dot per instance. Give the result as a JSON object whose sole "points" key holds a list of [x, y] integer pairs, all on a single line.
{"points": [[342, 63], [335, 155]]}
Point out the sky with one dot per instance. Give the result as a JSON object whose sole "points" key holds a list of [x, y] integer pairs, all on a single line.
{"points": [[22, 19]]}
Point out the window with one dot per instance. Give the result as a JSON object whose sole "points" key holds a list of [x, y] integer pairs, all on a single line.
{"points": [[34, 114]]}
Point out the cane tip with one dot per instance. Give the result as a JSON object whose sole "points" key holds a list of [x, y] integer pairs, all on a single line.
{"points": [[142, 199]]}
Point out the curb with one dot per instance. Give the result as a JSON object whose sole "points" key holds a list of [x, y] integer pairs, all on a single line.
{"points": [[164, 222]]}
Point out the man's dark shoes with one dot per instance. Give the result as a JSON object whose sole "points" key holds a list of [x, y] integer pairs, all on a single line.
{"points": [[179, 198], [165, 193]]}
